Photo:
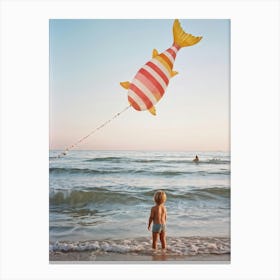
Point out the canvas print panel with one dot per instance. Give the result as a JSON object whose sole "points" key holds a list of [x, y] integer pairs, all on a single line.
{"points": [[139, 155]]}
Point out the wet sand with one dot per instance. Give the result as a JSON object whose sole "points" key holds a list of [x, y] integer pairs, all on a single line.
{"points": [[115, 258]]}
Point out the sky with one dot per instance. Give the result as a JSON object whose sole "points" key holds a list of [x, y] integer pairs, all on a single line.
{"points": [[89, 58]]}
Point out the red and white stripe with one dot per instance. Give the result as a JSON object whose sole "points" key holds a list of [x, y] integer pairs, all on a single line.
{"points": [[150, 82]]}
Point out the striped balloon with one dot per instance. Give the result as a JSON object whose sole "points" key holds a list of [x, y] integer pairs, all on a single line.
{"points": [[150, 82]]}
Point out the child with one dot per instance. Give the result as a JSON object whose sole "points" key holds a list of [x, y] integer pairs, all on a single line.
{"points": [[158, 217]]}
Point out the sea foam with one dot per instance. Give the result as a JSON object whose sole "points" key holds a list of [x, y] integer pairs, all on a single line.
{"points": [[142, 246]]}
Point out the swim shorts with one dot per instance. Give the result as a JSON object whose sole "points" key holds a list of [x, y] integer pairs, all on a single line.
{"points": [[158, 228]]}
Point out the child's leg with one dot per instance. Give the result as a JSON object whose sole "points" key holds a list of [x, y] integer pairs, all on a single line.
{"points": [[162, 239], [155, 238]]}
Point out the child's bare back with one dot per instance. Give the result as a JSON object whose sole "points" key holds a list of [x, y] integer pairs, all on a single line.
{"points": [[158, 213]]}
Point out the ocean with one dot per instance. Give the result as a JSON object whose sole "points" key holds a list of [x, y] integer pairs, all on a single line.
{"points": [[100, 201]]}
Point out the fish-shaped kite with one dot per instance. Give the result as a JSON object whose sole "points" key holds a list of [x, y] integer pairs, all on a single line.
{"points": [[149, 84]]}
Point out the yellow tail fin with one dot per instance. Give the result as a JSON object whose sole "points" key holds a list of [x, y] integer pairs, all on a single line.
{"points": [[181, 38]]}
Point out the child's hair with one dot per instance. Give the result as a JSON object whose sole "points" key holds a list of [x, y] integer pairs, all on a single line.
{"points": [[160, 197]]}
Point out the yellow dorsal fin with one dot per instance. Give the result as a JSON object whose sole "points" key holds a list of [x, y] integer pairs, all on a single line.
{"points": [[174, 73], [125, 84], [155, 53], [181, 38], [153, 111]]}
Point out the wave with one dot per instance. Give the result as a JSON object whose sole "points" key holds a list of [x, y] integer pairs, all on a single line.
{"points": [[81, 198], [163, 160], [185, 246], [223, 192], [110, 159], [217, 161], [196, 194], [61, 170]]}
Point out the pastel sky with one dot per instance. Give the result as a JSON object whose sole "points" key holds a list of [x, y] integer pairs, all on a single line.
{"points": [[88, 59]]}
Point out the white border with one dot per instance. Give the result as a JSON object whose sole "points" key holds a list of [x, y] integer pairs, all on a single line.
{"points": [[254, 137]]}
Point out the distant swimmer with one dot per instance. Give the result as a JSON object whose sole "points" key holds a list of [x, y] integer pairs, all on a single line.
{"points": [[196, 159]]}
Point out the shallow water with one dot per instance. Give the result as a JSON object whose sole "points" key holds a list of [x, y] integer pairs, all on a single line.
{"points": [[179, 246]]}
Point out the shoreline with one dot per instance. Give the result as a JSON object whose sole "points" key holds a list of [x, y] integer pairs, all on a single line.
{"points": [[180, 250], [117, 258]]}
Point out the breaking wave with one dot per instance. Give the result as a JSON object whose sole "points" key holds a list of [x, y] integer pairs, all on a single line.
{"points": [[88, 171], [99, 195], [188, 246]]}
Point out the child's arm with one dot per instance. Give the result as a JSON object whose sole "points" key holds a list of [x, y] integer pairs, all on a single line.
{"points": [[151, 218]]}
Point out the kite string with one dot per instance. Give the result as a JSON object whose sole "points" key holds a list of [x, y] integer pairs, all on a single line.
{"points": [[92, 132]]}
